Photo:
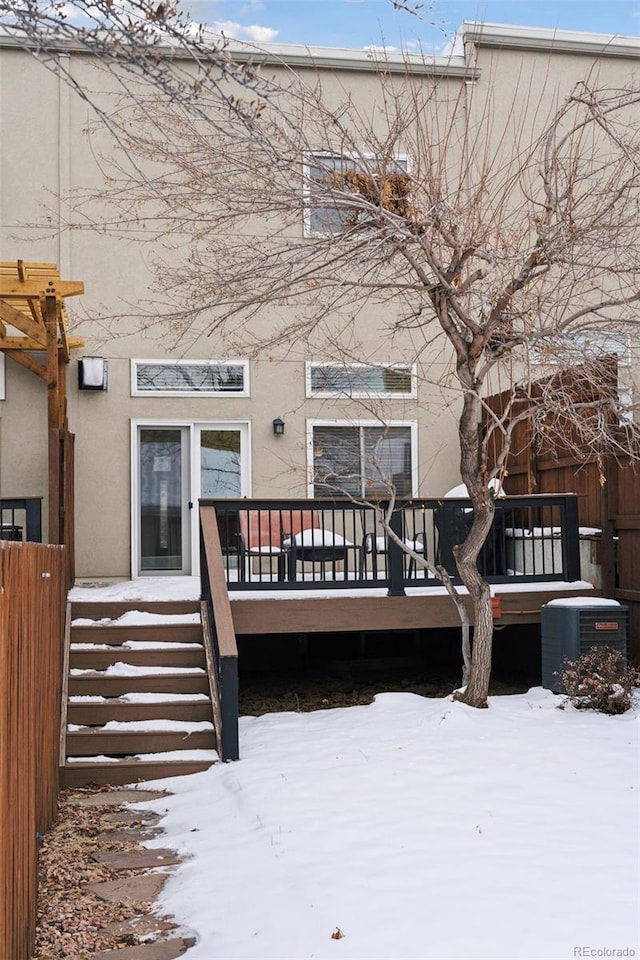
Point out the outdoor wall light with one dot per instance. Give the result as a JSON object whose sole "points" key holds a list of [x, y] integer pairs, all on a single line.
{"points": [[92, 373], [278, 426]]}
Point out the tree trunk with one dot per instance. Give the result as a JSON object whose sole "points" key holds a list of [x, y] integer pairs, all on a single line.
{"points": [[476, 691], [474, 473]]}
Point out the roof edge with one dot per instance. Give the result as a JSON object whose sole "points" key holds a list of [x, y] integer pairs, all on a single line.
{"points": [[343, 58], [542, 38], [290, 55]]}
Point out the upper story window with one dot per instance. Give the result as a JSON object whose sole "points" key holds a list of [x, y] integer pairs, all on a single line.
{"points": [[586, 345], [178, 378], [361, 380], [601, 343], [342, 187]]}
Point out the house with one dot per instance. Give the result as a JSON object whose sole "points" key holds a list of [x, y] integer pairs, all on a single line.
{"points": [[162, 420], [175, 394]]}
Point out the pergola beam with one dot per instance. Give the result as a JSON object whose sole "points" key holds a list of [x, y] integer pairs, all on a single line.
{"points": [[14, 345], [27, 361], [12, 289], [31, 303], [23, 322]]}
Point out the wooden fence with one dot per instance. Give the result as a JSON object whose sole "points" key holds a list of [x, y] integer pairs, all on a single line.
{"points": [[608, 495], [545, 453], [32, 624], [621, 542]]}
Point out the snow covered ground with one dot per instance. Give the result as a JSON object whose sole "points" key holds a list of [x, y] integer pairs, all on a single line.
{"points": [[419, 828]]}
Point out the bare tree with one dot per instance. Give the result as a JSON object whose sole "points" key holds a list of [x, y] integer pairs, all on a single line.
{"points": [[489, 243], [149, 41]]}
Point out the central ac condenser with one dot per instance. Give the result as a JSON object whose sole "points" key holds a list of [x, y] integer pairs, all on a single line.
{"points": [[570, 630]]}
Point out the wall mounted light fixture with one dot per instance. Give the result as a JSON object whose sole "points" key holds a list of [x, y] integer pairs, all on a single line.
{"points": [[278, 426], [92, 373]]}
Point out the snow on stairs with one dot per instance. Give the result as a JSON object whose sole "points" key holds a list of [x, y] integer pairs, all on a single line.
{"points": [[138, 703]]}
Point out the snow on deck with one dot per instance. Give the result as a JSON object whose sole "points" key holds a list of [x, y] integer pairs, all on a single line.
{"points": [[149, 589]]}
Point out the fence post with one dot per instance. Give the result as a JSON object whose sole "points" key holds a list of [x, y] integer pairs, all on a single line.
{"points": [[608, 513]]}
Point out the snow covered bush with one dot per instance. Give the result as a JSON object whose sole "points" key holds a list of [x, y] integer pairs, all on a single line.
{"points": [[600, 680]]}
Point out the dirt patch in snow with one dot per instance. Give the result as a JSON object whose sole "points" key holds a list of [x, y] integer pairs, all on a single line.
{"points": [[318, 690]]}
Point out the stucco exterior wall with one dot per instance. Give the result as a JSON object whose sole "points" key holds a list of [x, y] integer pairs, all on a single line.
{"points": [[47, 155]]}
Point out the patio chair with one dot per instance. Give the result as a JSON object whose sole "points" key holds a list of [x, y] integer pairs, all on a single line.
{"points": [[260, 536], [377, 545], [306, 540]]}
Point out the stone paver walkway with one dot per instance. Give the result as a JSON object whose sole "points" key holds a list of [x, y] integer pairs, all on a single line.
{"points": [[146, 873]]}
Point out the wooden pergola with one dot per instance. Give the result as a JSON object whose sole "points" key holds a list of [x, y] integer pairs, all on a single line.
{"points": [[34, 333]]}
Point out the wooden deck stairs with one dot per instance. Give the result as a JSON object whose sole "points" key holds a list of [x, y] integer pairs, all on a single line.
{"points": [[138, 701]]}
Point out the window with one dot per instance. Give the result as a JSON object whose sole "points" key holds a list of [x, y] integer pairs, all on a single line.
{"points": [[601, 343], [360, 380], [333, 180], [175, 378], [362, 460], [584, 345]]}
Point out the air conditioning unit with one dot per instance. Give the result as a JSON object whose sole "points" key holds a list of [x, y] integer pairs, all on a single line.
{"points": [[571, 630]]}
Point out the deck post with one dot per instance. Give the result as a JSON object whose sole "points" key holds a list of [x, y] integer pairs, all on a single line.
{"points": [[230, 708], [214, 594], [205, 585], [570, 540], [396, 556]]}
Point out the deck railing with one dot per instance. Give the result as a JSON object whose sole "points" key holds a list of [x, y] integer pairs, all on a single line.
{"points": [[311, 544], [219, 639]]}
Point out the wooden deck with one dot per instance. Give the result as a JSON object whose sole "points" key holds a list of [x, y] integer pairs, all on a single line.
{"points": [[272, 568], [337, 611], [342, 572]]}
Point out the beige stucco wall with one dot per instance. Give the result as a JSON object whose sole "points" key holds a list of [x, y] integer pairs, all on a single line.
{"points": [[45, 154]]}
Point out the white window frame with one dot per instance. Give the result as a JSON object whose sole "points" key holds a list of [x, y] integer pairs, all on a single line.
{"points": [[412, 424], [136, 392], [603, 337], [310, 155], [411, 368], [192, 473], [3, 394], [579, 338]]}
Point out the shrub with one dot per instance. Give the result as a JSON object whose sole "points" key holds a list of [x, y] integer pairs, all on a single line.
{"points": [[599, 680]]}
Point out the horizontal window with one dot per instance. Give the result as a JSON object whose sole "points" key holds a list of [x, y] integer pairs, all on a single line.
{"points": [[189, 378], [584, 345], [361, 460], [360, 380], [341, 190]]}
